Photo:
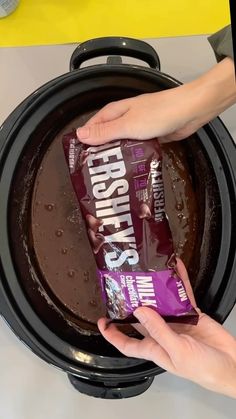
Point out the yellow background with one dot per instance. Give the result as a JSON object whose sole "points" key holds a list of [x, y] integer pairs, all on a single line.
{"points": [[38, 22]]}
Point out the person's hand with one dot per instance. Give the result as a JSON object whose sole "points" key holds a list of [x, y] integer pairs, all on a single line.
{"points": [[146, 116], [205, 354], [169, 115]]}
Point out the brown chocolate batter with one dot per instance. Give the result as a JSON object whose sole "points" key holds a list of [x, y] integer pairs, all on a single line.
{"points": [[60, 239]]}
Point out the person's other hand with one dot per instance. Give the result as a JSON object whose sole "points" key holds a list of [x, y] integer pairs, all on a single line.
{"points": [[204, 353], [168, 115]]}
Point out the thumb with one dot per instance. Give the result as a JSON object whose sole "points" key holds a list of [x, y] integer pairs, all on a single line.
{"points": [[158, 329], [102, 133]]}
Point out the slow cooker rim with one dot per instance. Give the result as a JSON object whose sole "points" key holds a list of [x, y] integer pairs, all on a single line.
{"points": [[25, 108], [227, 148], [143, 69], [32, 342], [31, 99]]}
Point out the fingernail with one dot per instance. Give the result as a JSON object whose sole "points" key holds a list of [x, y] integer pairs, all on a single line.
{"points": [[108, 323], [140, 315], [82, 133]]}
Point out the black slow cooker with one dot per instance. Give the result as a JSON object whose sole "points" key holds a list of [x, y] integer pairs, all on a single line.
{"points": [[93, 366]]}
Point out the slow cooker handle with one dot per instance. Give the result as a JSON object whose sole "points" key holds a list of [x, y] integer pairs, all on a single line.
{"points": [[110, 391], [128, 47]]}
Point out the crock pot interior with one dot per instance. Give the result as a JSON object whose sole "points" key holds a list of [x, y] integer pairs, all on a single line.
{"points": [[48, 309]]}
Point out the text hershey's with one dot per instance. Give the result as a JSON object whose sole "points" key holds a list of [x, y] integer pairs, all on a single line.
{"points": [[71, 155], [158, 190], [113, 211]]}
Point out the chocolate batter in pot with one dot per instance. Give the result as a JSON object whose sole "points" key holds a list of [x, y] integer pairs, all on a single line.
{"points": [[59, 234]]}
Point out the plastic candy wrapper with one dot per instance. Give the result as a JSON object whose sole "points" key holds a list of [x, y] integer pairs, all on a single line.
{"points": [[120, 190]]}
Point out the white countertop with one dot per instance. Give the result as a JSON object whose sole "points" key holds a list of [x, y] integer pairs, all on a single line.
{"points": [[31, 389]]}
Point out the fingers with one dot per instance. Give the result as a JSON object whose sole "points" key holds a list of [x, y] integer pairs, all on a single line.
{"points": [[126, 345], [144, 349], [103, 132], [110, 112], [106, 125], [140, 329], [185, 278], [158, 329]]}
